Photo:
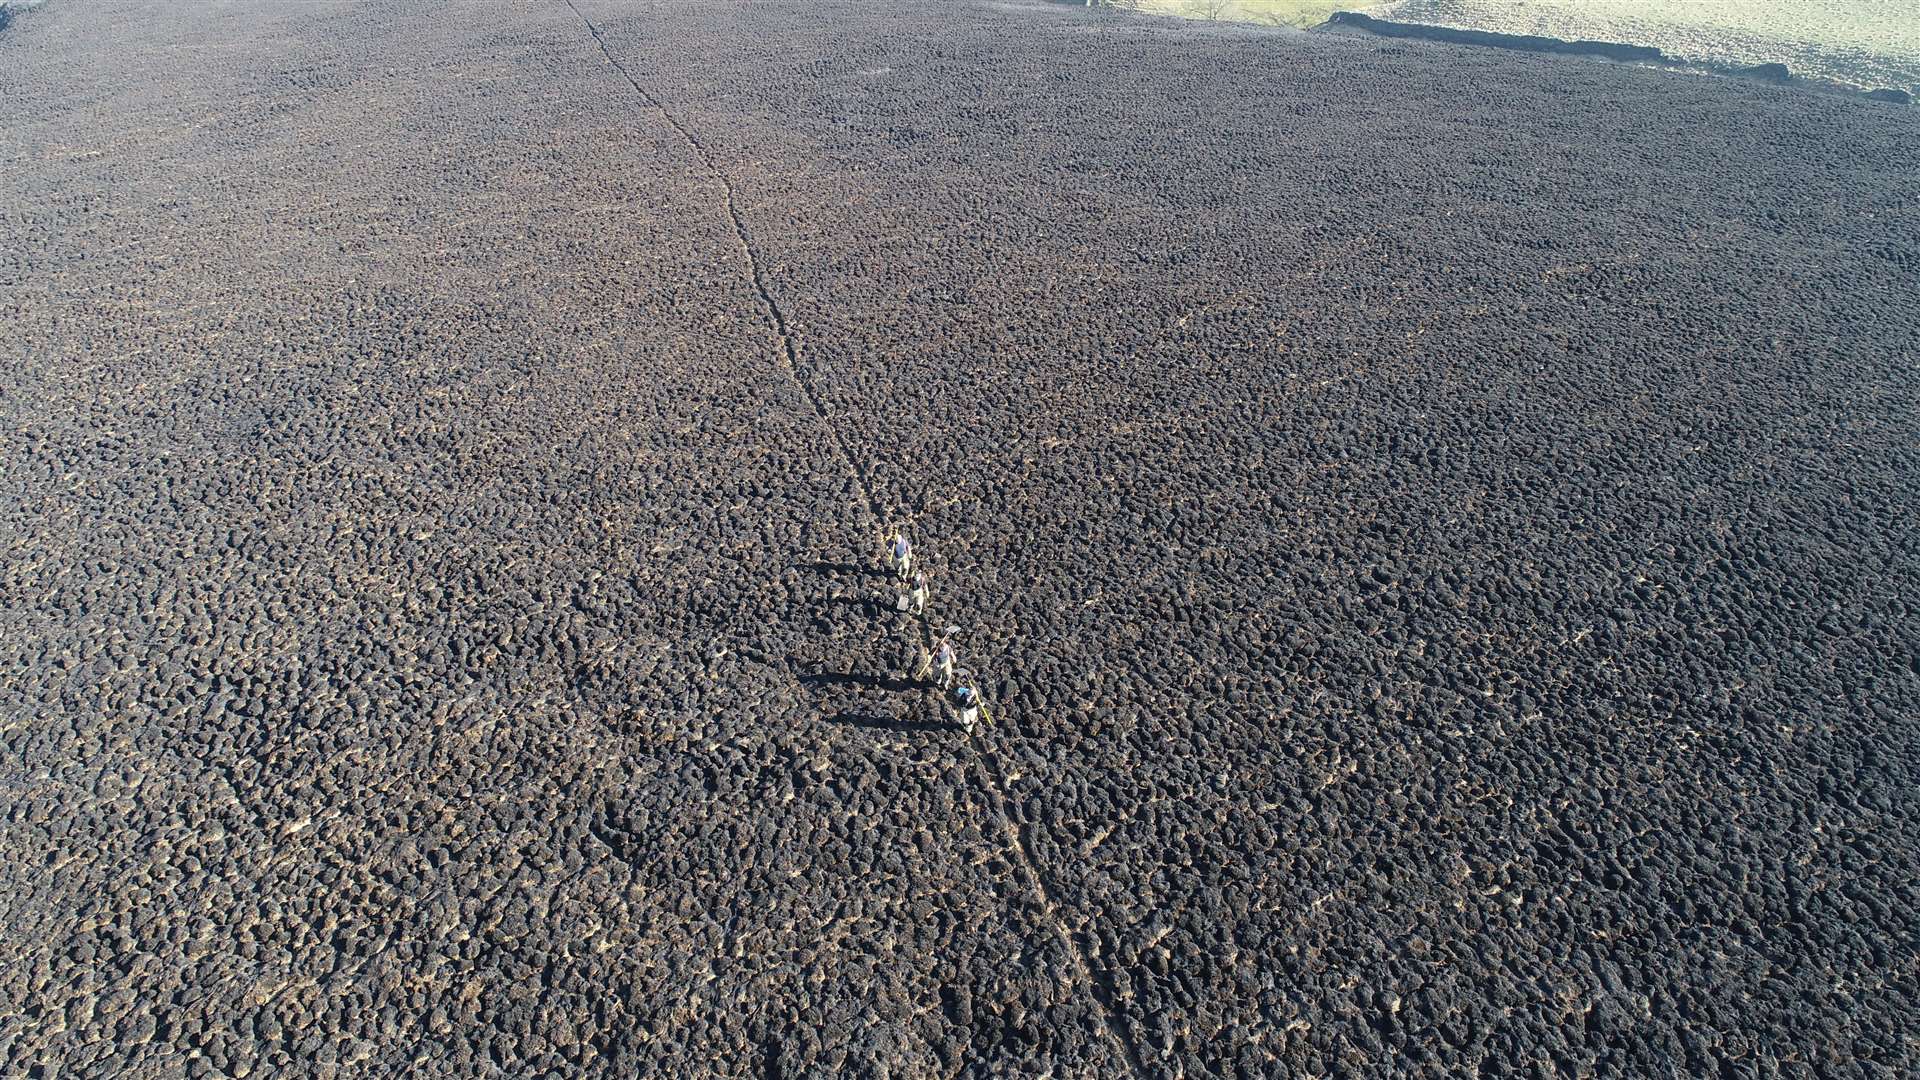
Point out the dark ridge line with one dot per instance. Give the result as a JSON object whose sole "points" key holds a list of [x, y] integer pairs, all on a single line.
{"points": [[1102, 984], [775, 315], [1777, 74], [1102, 987], [1493, 39], [1104, 995]]}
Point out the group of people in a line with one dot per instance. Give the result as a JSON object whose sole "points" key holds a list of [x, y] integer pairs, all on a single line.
{"points": [[958, 687]]}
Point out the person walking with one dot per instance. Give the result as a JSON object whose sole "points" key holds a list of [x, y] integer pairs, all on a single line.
{"points": [[900, 558], [944, 659], [965, 700]]}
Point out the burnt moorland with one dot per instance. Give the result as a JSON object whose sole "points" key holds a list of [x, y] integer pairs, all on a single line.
{"points": [[1435, 525]]}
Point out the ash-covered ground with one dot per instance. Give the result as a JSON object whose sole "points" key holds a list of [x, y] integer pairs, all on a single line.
{"points": [[1437, 525]]}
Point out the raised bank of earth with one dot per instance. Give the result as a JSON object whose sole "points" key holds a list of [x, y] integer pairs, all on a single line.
{"points": [[1436, 526]]}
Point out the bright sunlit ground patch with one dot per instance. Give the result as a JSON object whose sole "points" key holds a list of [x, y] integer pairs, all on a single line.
{"points": [[1868, 43]]}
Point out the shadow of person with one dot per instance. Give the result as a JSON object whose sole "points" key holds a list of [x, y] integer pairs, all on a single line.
{"points": [[853, 569], [870, 682], [890, 723]]}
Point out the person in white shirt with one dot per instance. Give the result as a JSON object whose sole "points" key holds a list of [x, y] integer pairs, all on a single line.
{"points": [[944, 659]]}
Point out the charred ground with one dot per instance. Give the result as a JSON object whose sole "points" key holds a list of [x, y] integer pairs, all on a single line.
{"points": [[1439, 524]]}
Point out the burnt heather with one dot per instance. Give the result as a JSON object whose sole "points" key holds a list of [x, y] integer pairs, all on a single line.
{"points": [[1437, 524]]}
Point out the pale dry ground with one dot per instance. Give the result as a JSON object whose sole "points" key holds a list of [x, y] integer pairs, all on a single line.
{"points": [[1867, 43], [1864, 43]]}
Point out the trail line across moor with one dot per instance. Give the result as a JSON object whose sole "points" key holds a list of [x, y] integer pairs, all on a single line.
{"points": [[1098, 981]]}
